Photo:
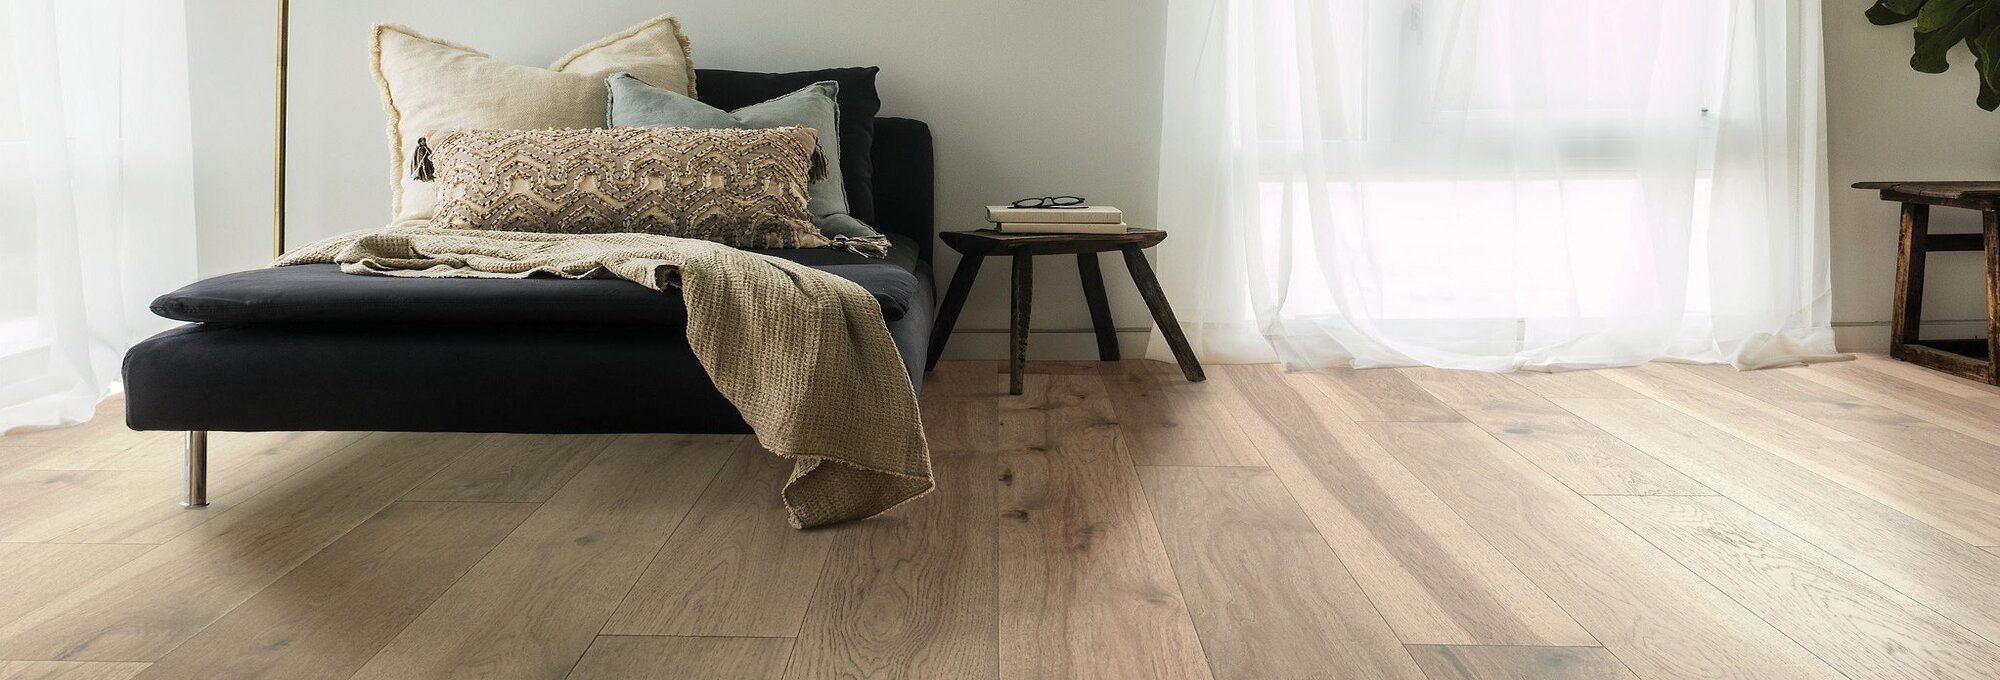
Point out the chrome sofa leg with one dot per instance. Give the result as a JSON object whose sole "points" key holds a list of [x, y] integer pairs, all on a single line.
{"points": [[197, 469]]}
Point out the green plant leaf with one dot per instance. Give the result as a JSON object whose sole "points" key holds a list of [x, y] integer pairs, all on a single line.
{"points": [[1933, 46], [1985, 47], [1986, 59], [1938, 13], [1883, 15]]}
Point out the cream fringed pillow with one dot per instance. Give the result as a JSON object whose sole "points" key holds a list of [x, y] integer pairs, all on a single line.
{"points": [[430, 84], [743, 188]]}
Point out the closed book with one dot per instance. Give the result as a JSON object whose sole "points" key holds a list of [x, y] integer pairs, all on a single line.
{"points": [[1060, 228], [1096, 214]]}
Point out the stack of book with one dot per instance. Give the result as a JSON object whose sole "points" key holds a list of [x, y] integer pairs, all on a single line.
{"points": [[1096, 219]]}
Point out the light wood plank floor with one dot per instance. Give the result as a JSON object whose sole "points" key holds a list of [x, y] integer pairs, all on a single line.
{"points": [[1653, 522]]}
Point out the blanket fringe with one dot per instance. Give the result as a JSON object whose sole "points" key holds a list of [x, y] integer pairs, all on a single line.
{"points": [[866, 246]]}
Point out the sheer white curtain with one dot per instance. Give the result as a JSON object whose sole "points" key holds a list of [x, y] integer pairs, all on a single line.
{"points": [[96, 194], [1496, 184]]}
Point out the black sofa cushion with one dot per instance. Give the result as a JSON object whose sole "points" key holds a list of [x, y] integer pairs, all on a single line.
{"points": [[265, 377], [320, 293], [858, 101]]}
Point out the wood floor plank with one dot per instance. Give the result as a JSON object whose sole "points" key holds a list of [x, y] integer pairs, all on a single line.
{"points": [[152, 604], [1438, 581], [1852, 621], [1085, 588], [1969, 390], [1170, 421], [1230, 533], [1964, 457], [1046, 553], [1760, 410], [1377, 394], [1446, 662], [1944, 573], [106, 429], [323, 620], [17, 458], [515, 468], [142, 451], [532, 606], [45, 505], [38, 573], [143, 506], [1661, 620], [960, 403], [1572, 384], [912, 594], [734, 567], [68, 670], [1583, 457], [1972, 418], [680, 658]]}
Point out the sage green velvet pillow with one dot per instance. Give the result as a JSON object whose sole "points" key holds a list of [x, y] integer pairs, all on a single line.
{"points": [[634, 103]]}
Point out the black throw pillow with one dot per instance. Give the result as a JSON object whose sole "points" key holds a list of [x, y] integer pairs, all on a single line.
{"points": [[731, 90]]}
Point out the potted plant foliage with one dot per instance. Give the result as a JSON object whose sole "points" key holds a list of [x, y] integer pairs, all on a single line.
{"points": [[1942, 24]]}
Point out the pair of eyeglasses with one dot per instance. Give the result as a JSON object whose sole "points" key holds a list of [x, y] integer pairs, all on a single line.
{"points": [[1051, 202]]}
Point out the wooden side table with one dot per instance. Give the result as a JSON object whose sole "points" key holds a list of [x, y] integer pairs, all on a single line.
{"points": [[974, 246], [1967, 358]]}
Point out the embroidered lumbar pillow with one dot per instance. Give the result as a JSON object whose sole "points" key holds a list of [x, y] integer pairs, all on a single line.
{"points": [[634, 103], [430, 84], [743, 188]]}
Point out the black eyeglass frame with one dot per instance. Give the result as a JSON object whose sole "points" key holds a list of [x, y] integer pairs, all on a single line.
{"points": [[1052, 202]]}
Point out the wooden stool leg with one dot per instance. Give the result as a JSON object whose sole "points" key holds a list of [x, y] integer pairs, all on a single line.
{"points": [[1163, 315], [954, 302], [1100, 308], [1992, 224], [1907, 312], [1017, 324]]}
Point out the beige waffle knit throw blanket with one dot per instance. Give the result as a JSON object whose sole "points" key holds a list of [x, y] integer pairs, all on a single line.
{"points": [[803, 354]]}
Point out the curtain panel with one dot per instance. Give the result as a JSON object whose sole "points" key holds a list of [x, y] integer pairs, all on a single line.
{"points": [[96, 195], [1496, 184]]}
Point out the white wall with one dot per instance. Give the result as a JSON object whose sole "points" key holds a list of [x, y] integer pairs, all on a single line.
{"points": [[1026, 97], [1887, 122]]}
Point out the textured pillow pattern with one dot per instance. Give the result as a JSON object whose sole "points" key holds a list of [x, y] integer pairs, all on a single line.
{"points": [[859, 102], [743, 188], [637, 104], [429, 84]]}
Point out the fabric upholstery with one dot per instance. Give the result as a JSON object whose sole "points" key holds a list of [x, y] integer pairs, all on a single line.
{"points": [[429, 84], [859, 102], [905, 182], [320, 293], [744, 188], [279, 377], [637, 104]]}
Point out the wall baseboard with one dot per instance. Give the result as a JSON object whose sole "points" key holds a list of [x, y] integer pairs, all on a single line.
{"points": [[1873, 336], [1079, 344]]}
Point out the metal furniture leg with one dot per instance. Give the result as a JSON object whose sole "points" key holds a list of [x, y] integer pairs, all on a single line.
{"points": [[197, 469]]}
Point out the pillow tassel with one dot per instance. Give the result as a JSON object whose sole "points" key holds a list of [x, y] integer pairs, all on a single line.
{"points": [[421, 168], [818, 171], [876, 247]]}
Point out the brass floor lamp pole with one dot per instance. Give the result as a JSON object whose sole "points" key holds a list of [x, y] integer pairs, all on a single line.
{"points": [[278, 161]]}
